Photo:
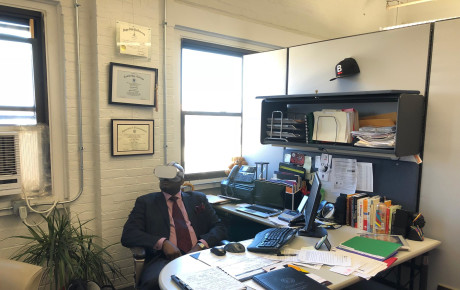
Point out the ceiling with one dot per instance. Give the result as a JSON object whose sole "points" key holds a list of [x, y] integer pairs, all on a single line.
{"points": [[326, 19]]}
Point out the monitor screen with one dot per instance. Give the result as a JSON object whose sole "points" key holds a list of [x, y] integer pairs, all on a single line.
{"points": [[302, 204], [311, 209], [269, 194]]}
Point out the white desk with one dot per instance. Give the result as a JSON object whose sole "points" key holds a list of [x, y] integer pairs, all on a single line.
{"points": [[187, 263]]}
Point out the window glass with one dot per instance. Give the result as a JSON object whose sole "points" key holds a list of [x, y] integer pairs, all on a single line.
{"points": [[211, 82], [17, 81], [211, 100], [210, 142]]}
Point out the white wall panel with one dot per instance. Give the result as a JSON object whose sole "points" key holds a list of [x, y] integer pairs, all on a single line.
{"points": [[395, 59], [439, 197], [263, 74]]}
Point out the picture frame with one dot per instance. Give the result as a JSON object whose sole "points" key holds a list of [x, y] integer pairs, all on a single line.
{"points": [[133, 85], [132, 137]]}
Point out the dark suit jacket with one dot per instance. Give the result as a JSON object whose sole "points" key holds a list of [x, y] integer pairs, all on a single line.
{"points": [[149, 221]]}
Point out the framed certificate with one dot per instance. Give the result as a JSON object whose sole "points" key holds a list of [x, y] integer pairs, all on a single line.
{"points": [[132, 85], [132, 137]]}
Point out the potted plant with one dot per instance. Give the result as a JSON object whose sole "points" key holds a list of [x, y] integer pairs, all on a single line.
{"points": [[67, 252]]}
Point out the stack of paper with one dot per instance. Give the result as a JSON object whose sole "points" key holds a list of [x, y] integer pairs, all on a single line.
{"points": [[335, 125], [377, 137]]}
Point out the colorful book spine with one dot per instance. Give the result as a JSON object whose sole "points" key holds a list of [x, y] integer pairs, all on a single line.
{"points": [[355, 212], [360, 213], [349, 213], [387, 221], [373, 206], [365, 213]]}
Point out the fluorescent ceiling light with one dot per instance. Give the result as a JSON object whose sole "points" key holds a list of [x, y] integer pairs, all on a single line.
{"points": [[415, 23], [405, 3]]}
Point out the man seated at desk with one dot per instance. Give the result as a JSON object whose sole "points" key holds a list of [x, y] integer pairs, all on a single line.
{"points": [[170, 223]]}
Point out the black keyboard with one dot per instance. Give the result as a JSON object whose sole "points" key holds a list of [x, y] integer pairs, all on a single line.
{"points": [[263, 209], [271, 240]]}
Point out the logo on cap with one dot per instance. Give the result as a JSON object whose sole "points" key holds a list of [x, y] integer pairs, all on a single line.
{"points": [[346, 68]]}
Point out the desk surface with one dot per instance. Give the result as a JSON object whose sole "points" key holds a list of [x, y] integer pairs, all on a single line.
{"points": [[231, 208], [188, 264]]}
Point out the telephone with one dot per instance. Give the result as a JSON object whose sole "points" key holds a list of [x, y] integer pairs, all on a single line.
{"points": [[298, 220], [233, 173], [240, 183]]}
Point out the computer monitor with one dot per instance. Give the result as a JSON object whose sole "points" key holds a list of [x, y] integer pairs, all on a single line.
{"points": [[311, 229], [269, 194]]}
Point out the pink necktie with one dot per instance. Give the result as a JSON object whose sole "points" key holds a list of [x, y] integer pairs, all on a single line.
{"points": [[184, 242]]}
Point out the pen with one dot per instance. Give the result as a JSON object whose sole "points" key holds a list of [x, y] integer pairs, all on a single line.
{"points": [[293, 255], [417, 217], [297, 268]]}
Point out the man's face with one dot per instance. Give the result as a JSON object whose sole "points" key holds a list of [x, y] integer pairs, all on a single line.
{"points": [[169, 186]]}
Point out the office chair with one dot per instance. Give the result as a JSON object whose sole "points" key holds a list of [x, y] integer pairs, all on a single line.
{"points": [[19, 275]]}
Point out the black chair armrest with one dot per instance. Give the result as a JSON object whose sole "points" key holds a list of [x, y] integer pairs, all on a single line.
{"points": [[139, 259], [138, 253]]}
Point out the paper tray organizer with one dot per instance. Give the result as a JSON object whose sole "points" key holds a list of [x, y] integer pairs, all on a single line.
{"points": [[286, 129]]}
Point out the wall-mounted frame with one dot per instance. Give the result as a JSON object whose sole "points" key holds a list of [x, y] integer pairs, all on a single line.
{"points": [[133, 85], [132, 137]]}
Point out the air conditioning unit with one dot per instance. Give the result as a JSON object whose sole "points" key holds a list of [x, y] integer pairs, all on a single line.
{"points": [[10, 164]]}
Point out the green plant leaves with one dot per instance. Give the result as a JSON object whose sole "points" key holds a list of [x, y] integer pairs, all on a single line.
{"points": [[67, 252]]}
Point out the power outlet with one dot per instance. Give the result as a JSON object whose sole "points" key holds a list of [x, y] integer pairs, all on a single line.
{"points": [[17, 204]]}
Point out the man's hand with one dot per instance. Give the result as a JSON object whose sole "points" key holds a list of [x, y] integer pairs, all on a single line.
{"points": [[195, 248], [170, 250]]}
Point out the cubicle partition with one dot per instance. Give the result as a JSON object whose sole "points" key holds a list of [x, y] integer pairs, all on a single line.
{"points": [[394, 179]]}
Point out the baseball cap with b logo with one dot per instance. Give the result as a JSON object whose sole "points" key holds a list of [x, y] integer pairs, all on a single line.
{"points": [[346, 68]]}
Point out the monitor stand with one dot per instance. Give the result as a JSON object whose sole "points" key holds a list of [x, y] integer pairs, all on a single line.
{"points": [[315, 232]]}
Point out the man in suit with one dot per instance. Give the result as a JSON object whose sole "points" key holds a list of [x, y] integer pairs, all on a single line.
{"points": [[170, 223]]}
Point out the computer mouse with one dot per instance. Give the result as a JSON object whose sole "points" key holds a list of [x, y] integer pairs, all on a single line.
{"points": [[235, 247], [218, 251]]}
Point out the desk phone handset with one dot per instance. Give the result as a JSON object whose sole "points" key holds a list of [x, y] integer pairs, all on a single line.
{"points": [[233, 173], [297, 220]]}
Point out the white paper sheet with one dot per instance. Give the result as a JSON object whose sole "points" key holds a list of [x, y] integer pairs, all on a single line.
{"points": [[323, 257], [211, 278], [365, 177], [344, 175]]}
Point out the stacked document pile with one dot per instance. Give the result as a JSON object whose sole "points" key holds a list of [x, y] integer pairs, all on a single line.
{"points": [[376, 137], [331, 125]]}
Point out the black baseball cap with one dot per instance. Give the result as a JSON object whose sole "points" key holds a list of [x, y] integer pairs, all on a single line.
{"points": [[346, 68]]}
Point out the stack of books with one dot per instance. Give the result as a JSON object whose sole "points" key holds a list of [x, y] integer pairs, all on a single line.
{"points": [[361, 212]]}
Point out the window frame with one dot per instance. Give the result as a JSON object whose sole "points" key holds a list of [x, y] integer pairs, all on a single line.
{"points": [[213, 48], [23, 16]]}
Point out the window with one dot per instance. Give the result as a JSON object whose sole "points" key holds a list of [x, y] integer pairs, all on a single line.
{"points": [[23, 98], [211, 107]]}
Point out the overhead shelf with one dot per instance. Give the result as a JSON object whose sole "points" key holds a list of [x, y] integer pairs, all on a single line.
{"points": [[409, 107]]}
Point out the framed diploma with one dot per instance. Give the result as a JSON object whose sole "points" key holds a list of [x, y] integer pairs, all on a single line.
{"points": [[132, 85], [132, 137], [133, 39]]}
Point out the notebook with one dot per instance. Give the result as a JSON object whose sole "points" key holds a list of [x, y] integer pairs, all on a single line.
{"points": [[371, 248], [288, 279]]}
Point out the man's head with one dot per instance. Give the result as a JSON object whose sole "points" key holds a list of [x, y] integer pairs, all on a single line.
{"points": [[171, 177]]}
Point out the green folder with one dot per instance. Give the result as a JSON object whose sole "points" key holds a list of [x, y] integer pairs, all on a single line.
{"points": [[376, 249]]}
